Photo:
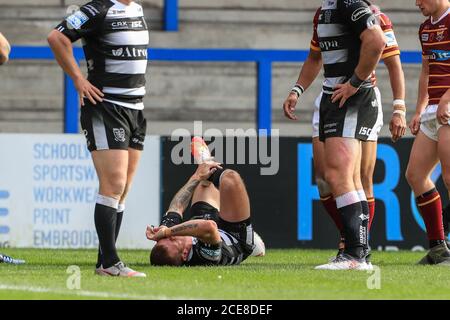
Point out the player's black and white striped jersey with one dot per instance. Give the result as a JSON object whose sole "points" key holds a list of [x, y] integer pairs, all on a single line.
{"points": [[228, 252], [337, 27], [115, 40]]}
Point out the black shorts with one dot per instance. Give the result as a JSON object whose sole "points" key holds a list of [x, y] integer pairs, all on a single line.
{"points": [[241, 240], [109, 126], [356, 119]]}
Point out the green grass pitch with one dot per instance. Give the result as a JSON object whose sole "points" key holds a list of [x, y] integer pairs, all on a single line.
{"points": [[281, 274]]}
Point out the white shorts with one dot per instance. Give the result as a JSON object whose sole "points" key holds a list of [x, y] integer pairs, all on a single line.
{"points": [[377, 128], [429, 124]]}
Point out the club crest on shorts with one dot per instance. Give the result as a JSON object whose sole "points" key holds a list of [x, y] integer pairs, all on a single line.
{"points": [[119, 134]]}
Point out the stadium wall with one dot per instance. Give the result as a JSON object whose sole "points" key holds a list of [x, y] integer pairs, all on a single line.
{"points": [[48, 188]]}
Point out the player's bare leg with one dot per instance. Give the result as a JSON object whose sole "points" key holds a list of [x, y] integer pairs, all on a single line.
{"points": [[444, 154], [368, 161], [134, 157], [342, 157], [112, 169], [422, 161], [326, 196]]}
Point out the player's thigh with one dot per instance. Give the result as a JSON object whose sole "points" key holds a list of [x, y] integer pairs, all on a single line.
{"points": [[234, 200], [444, 152], [319, 157], [207, 193], [422, 160], [341, 154], [111, 167]]}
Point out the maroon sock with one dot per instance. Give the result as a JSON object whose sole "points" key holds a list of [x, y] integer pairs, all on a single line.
{"points": [[371, 202], [430, 208], [330, 206]]}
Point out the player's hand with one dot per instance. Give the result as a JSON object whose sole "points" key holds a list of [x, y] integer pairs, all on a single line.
{"points": [[342, 92], [87, 90], [289, 106], [414, 125], [156, 233], [206, 169], [397, 126], [443, 113]]}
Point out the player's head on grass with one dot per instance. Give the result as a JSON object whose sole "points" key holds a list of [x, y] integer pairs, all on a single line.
{"points": [[172, 251]]}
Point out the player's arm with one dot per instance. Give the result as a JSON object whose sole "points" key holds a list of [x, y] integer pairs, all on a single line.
{"points": [[204, 230], [83, 23], [5, 49], [182, 198], [397, 125], [443, 113], [373, 43], [308, 73], [310, 69], [422, 97]]}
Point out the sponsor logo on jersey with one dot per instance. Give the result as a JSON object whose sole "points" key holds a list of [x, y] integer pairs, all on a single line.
{"points": [[351, 2], [329, 4], [440, 55], [127, 52], [327, 16], [121, 25], [327, 45], [425, 37], [360, 12], [119, 134], [77, 20]]}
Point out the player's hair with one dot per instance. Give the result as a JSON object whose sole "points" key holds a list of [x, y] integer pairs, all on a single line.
{"points": [[165, 255]]}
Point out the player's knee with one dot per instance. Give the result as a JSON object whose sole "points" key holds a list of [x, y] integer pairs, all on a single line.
{"points": [[366, 181], [446, 179], [114, 185], [230, 179], [323, 186], [412, 177]]}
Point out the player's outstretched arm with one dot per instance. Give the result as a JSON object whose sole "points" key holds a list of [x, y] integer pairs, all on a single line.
{"points": [[205, 230], [63, 51], [5, 49], [397, 125], [308, 74]]}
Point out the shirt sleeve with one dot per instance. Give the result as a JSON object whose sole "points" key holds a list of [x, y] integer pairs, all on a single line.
{"points": [[85, 22], [357, 14], [392, 48], [315, 38]]}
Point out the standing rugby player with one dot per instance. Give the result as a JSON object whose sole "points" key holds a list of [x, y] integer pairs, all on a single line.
{"points": [[397, 125], [431, 126], [5, 50], [115, 40], [351, 43]]}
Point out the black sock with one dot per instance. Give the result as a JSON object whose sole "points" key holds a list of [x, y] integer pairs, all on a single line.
{"points": [[354, 232], [365, 224], [446, 219], [118, 224], [105, 224]]}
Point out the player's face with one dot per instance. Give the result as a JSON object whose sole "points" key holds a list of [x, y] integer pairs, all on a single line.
{"points": [[428, 7]]}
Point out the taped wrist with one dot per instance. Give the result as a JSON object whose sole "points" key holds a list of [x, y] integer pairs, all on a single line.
{"points": [[215, 177], [171, 219]]}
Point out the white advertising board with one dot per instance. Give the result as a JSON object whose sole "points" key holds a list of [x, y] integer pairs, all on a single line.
{"points": [[48, 188]]}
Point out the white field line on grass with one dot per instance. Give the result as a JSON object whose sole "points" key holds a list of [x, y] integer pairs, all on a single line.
{"points": [[93, 294]]}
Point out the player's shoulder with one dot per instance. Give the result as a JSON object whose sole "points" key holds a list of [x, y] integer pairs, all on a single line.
{"points": [[425, 24], [317, 15], [385, 21], [97, 7]]}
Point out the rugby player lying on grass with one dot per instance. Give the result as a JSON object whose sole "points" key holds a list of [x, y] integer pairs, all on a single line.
{"points": [[220, 230]]}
